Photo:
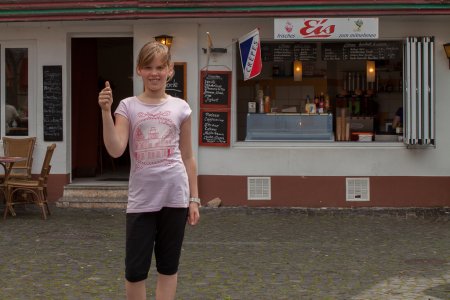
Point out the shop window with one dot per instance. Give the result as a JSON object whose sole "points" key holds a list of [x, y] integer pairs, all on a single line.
{"points": [[347, 92], [16, 92]]}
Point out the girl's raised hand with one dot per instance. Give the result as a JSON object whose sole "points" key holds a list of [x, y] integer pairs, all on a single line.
{"points": [[105, 97]]}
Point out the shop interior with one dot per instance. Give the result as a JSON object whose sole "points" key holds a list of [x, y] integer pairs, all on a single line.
{"points": [[333, 91]]}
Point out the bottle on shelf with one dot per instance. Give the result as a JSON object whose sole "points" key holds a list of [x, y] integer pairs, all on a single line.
{"points": [[358, 102], [307, 104], [310, 106], [321, 103], [357, 105], [260, 101], [327, 103], [267, 104], [317, 103], [267, 90]]}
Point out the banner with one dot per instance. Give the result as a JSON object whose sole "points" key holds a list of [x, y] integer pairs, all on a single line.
{"points": [[250, 49], [326, 28]]}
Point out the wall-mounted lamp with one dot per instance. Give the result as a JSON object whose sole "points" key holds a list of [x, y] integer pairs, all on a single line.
{"points": [[447, 51], [164, 39], [370, 70], [298, 70]]}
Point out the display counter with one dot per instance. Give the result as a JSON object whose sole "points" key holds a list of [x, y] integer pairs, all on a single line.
{"points": [[289, 126]]}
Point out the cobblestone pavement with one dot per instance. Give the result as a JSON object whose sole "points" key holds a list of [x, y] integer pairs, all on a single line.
{"points": [[236, 253]]}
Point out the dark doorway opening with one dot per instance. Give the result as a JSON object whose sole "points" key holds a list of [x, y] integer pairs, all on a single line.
{"points": [[94, 61]]}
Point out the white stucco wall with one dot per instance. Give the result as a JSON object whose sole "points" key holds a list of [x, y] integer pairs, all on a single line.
{"points": [[297, 159], [52, 47], [44, 53]]}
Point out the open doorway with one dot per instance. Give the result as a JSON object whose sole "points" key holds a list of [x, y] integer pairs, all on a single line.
{"points": [[94, 61]]}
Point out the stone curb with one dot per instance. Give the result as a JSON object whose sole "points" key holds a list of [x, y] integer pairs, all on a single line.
{"points": [[442, 213], [422, 212]]}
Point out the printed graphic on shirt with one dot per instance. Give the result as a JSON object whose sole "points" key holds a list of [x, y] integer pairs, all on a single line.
{"points": [[154, 139]]}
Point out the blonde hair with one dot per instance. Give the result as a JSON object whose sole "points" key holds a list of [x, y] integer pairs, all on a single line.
{"points": [[148, 53]]}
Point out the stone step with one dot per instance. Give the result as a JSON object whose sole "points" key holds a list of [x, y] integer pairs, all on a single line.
{"points": [[94, 196]]}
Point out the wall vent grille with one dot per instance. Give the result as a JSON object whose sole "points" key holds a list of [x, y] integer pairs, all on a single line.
{"points": [[357, 189], [259, 188]]}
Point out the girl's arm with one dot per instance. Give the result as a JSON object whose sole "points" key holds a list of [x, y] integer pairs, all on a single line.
{"points": [[115, 135], [191, 168]]}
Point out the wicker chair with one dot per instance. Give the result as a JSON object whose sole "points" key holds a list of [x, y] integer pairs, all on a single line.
{"points": [[22, 147], [22, 191]]}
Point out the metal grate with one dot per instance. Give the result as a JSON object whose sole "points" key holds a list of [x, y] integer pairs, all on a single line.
{"points": [[258, 188], [357, 189]]}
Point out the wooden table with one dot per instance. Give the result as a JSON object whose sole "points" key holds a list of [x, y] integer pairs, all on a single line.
{"points": [[7, 162]]}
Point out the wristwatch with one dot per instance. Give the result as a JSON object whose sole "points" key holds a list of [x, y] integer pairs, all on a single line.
{"points": [[196, 200]]}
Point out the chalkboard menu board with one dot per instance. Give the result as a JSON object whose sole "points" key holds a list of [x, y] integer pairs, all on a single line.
{"points": [[176, 87], [281, 52], [305, 52], [380, 50], [332, 51], [362, 51], [215, 88], [215, 127], [53, 106], [266, 52]]}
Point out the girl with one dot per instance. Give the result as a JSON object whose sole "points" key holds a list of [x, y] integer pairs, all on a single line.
{"points": [[163, 192]]}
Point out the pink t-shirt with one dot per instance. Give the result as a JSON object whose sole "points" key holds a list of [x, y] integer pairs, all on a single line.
{"points": [[158, 176]]}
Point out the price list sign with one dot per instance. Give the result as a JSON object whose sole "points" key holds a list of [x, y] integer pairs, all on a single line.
{"points": [[362, 51], [215, 127], [283, 52], [332, 52], [215, 89], [53, 106], [266, 52], [176, 87], [215, 99], [305, 52]]}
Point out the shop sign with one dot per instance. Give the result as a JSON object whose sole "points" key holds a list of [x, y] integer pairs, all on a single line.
{"points": [[326, 28]]}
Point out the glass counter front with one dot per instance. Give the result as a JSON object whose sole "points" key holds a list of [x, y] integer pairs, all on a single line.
{"points": [[289, 126]]}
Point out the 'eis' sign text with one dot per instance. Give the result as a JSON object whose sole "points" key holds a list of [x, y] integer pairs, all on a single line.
{"points": [[326, 28]]}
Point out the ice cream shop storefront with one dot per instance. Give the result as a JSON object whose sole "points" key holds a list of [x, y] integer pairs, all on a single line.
{"points": [[324, 105]]}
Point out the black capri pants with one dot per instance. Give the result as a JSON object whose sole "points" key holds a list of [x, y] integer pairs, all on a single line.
{"points": [[162, 230]]}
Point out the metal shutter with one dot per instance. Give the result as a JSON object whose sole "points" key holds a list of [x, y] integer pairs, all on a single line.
{"points": [[418, 96]]}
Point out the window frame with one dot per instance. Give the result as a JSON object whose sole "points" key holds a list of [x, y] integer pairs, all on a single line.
{"points": [[243, 144], [30, 45]]}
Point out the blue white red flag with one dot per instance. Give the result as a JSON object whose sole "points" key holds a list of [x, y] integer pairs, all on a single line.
{"points": [[250, 49]]}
